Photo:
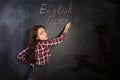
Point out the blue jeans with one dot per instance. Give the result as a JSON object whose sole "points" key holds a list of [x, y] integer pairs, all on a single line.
{"points": [[38, 73], [30, 78]]}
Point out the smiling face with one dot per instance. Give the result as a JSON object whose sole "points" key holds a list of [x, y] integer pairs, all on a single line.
{"points": [[41, 34]]}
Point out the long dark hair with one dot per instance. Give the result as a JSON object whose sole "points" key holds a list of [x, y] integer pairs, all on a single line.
{"points": [[30, 56]]}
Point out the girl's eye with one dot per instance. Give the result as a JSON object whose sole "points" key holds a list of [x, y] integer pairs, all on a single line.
{"points": [[41, 33]]}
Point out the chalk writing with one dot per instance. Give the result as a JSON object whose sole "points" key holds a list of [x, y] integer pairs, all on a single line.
{"points": [[56, 15]]}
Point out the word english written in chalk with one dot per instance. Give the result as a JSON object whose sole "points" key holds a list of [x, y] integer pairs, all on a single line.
{"points": [[57, 15]]}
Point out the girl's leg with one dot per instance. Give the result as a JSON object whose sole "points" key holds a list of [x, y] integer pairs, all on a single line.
{"points": [[38, 73], [30, 77]]}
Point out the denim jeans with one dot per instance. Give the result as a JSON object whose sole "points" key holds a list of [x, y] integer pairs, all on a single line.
{"points": [[38, 73]]}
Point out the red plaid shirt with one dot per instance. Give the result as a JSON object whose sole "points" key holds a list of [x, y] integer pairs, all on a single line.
{"points": [[42, 51]]}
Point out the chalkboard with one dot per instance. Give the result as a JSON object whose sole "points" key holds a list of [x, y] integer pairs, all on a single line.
{"points": [[17, 17]]}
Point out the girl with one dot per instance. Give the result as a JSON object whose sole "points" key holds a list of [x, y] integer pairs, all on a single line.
{"points": [[38, 53]]}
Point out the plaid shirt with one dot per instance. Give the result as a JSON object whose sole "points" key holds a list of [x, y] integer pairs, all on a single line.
{"points": [[42, 51]]}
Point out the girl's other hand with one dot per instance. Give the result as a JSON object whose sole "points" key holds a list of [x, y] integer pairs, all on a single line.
{"points": [[32, 65]]}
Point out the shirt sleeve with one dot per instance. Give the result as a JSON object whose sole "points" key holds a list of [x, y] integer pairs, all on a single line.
{"points": [[21, 56], [55, 41]]}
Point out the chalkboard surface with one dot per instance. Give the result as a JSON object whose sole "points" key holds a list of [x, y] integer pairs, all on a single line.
{"points": [[17, 17]]}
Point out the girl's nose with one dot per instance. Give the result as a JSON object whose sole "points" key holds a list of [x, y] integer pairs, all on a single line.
{"points": [[45, 33]]}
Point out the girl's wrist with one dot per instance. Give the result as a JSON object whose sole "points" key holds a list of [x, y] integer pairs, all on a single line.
{"points": [[65, 31]]}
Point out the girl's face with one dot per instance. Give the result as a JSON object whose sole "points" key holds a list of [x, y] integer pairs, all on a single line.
{"points": [[41, 34]]}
